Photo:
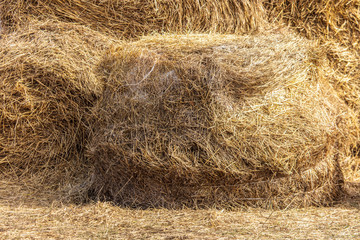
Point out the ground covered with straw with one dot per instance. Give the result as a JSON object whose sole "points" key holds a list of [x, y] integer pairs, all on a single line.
{"points": [[105, 221]]}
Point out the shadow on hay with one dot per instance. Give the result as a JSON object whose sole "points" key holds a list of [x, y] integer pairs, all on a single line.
{"points": [[218, 120]]}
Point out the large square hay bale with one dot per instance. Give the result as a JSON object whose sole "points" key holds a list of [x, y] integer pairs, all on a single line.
{"points": [[218, 120]]}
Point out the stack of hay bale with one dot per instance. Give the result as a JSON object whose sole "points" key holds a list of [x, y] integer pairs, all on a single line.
{"points": [[203, 111]]}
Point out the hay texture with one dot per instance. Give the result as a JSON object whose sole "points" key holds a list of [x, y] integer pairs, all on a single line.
{"points": [[217, 120], [47, 84], [336, 26], [133, 18], [320, 19]]}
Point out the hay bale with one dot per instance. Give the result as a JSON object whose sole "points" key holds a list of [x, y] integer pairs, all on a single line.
{"points": [[217, 120], [133, 18], [47, 84], [343, 73], [336, 26]]}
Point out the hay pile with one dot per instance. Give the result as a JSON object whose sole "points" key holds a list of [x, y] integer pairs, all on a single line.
{"points": [[179, 120], [133, 18], [336, 26], [217, 120], [47, 84], [320, 19]]}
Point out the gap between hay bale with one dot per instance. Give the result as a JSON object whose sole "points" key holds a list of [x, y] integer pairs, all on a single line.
{"points": [[134, 18], [218, 120], [47, 85]]}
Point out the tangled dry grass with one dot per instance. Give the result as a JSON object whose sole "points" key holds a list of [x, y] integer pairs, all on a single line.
{"points": [[320, 19], [180, 119], [202, 120], [335, 25], [133, 18], [106, 221], [47, 84]]}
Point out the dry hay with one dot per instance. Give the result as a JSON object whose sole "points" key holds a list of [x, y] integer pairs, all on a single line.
{"points": [[133, 18], [336, 26], [320, 19], [47, 84], [218, 120], [343, 72]]}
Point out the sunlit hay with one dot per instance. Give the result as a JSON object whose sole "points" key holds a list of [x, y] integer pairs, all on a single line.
{"points": [[133, 18], [342, 71], [47, 84], [351, 168], [336, 26], [218, 120], [320, 19]]}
